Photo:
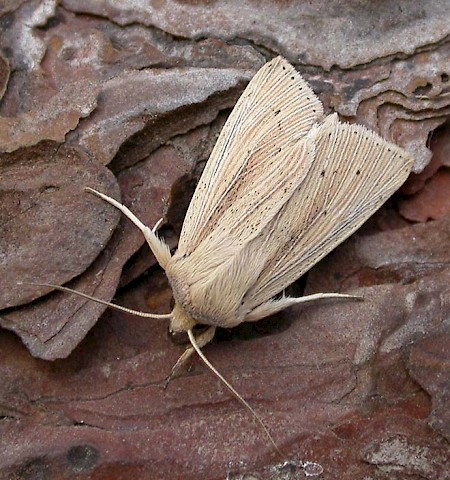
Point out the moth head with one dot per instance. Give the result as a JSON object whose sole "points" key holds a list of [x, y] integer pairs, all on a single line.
{"points": [[180, 320]]}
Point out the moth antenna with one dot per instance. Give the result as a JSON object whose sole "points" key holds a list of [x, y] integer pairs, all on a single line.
{"points": [[159, 248], [103, 302], [233, 391]]}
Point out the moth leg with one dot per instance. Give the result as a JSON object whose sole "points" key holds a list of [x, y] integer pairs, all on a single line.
{"points": [[274, 306], [159, 248], [203, 339], [156, 226]]}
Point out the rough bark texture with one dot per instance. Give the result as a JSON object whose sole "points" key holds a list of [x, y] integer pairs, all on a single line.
{"points": [[128, 98]]}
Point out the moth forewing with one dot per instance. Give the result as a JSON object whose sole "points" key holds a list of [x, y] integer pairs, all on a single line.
{"points": [[353, 174], [274, 112]]}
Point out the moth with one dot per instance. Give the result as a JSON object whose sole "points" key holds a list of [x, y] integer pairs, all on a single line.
{"points": [[284, 185]]}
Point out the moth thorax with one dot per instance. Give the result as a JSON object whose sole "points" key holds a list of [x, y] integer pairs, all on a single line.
{"points": [[181, 321]]}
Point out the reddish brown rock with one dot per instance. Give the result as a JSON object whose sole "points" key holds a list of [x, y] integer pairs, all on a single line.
{"points": [[429, 366], [353, 389], [315, 33], [8, 6], [387, 98], [52, 230], [394, 256], [433, 200], [53, 326], [53, 121], [149, 107], [153, 103], [431, 187], [440, 145]]}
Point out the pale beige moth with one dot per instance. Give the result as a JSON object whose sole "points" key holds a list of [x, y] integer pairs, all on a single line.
{"points": [[284, 185]]}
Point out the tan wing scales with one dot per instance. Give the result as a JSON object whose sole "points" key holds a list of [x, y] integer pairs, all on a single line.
{"points": [[353, 174], [275, 111]]}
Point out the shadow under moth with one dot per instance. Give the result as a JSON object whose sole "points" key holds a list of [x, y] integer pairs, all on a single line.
{"points": [[284, 185]]}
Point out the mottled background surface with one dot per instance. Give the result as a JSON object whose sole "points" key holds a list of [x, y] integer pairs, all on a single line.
{"points": [[129, 98]]}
